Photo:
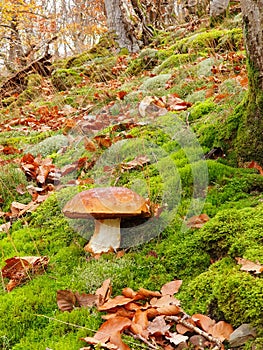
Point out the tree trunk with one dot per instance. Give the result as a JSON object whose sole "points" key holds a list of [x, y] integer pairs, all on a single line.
{"points": [[249, 143], [123, 21]]}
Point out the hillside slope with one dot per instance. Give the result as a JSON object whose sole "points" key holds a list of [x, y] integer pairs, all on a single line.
{"points": [[159, 122]]}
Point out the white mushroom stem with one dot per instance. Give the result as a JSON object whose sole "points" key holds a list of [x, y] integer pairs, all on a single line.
{"points": [[107, 236]]}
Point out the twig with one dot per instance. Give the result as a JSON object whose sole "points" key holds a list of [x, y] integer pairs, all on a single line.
{"points": [[140, 337], [197, 330]]}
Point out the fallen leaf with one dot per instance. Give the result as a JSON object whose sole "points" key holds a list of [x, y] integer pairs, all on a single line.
{"points": [[20, 269], [169, 310], [140, 323], [203, 321], [158, 326], [145, 293], [221, 330], [172, 287], [86, 300], [164, 301], [255, 165], [249, 266], [176, 338], [104, 292], [115, 339], [66, 300], [117, 324], [119, 300], [197, 221]]}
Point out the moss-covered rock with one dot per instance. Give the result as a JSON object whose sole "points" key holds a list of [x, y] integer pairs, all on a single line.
{"points": [[155, 83], [147, 59], [64, 79], [172, 62], [213, 39]]}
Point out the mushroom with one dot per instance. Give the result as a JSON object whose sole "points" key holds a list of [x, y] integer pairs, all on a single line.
{"points": [[107, 206]]}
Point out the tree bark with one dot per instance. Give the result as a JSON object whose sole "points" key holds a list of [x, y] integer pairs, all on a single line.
{"points": [[249, 142], [123, 21]]}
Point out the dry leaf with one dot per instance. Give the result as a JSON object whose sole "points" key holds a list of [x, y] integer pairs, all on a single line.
{"points": [[140, 323], [164, 301], [249, 266], [203, 321], [169, 310], [117, 324], [115, 339], [197, 221], [176, 338], [171, 287], [66, 300], [20, 269], [221, 330], [119, 300], [145, 293], [158, 326], [104, 292], [86, 300], [255, 165]]}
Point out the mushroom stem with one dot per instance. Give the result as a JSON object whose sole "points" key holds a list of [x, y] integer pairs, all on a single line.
{"points": [[107, 236]]}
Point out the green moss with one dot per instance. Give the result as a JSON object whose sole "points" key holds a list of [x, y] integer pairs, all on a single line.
{"points": [[101, 69], [34, 80], [10, 178], [155, 83], [147, 59], [64, 79], [226, 293], [49, 145], [172, 62], [214, 39], [202, 108]]}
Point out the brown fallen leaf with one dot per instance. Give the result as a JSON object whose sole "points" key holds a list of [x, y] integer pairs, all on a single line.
{"points": [[145, 293], [176, 338], [66, 300], [119, 300], [249, 266], [255, 165], [91, 340], [158, 326], [203, 321], [221, 330], [172, 287], [104, 292], [140, 323], [117, 324], [164, 301], [197, 221], [20, 269], [116, 340], [169, 310]]}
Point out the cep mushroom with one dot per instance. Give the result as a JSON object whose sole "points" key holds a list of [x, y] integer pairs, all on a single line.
{"points": [[107, 206]]}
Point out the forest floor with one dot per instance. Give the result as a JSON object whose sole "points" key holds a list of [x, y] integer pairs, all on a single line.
{"points": [[160, 122]]}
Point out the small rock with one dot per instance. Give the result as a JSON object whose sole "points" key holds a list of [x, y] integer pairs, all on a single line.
{"points": [[241, 335]]}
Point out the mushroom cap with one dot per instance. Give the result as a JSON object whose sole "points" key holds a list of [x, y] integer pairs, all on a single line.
{"points": [[107, 203]]}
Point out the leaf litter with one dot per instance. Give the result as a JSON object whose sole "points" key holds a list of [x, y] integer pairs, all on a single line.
{"points": [[155, 318]]}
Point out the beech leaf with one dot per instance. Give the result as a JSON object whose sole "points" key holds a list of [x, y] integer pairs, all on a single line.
{"points": [[221, 330], [171, 287], [66, 300], [249, 266], [203, 321]]}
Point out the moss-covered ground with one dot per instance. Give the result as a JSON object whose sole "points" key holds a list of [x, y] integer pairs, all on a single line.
{"points": [[205, 68]]}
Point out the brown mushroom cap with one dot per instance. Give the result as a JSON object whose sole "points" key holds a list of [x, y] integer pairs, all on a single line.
{"points": [[107, 203]]}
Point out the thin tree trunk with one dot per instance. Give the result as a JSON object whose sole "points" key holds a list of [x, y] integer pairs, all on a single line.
{"points": [[123, 21], [249, 144]]}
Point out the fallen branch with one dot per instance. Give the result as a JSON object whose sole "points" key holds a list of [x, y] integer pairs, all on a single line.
{"points": [[196, 330], [141, 338]]}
